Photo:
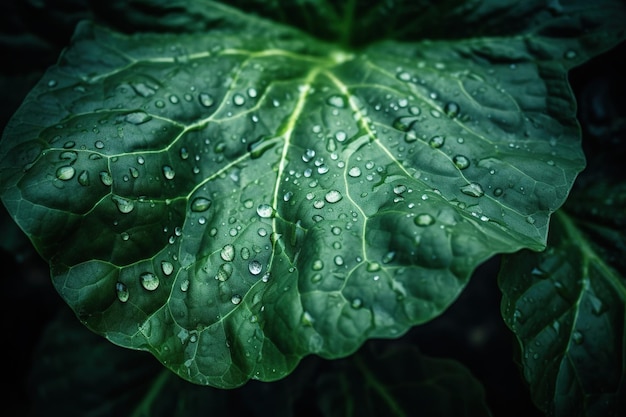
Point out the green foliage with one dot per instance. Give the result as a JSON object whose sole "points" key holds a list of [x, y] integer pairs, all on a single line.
{"points": [[233, 192]]}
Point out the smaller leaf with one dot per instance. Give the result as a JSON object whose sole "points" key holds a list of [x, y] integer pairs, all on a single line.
{"points": [[399, 381], [566, 307]]}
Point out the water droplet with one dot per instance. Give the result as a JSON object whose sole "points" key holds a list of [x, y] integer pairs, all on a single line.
{"points": [[52, 83], [404, 76], [389, 257], [174, 99], [235, 299], [354, 172], [356, 303], [318, 265], [336, 101], [265, 211], [436, 141], [341, 136], [451, 109], [373, 267], [287, 196], [200, 204], [206, 99], [473, 189], [399, 189], [137, 117], [167, 268], [106, 178], [184, 153], [338, 260], [403, 123], [530, 220], [569, 54], [255, 267], [239, 100], [65, 173], [308, 155], [333, 196], [168, 172], [228, 253], [122, 292], [252, 93], [245, 253], [99, 144], [577, 337], [149, 281], [461, 161], [124, 205], [497, 192], [224, 272], [424, 220]]}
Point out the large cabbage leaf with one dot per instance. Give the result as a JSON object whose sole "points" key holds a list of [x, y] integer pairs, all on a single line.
{"points": [[237, 198]]}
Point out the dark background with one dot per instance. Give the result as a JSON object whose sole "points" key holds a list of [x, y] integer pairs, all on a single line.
{"points": [[471, 331]]}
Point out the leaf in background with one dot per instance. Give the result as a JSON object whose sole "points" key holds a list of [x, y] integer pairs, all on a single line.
{"points": [[236, 200], [399, 381], [567, 308]]}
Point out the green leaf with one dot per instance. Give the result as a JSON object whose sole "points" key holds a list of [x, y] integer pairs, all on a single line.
{"points": [[235, 200], [567, 308], [400, 381]]}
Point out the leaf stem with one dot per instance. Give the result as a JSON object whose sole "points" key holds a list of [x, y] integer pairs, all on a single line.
{"points": [[371, 380]]}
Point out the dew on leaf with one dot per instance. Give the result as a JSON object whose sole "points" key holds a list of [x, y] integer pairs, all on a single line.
{"points": [[99, 144], [389, 257], [308, 155], [123, 205], [461, 161], [149, 281], [356, 303], [436, 141], [341, 136], [105, 178], [354, 172], [497, 192], [318, 265], [167, 268], [451, 109], [399, 189], [228, 253], [235, 299], [138, 117], [338, 260], [122, 292], [224, 272], [184, 153], [577, 337], [265, 211], [333, 196], [424, 220], [206, 99], [239, 100], [65, 173], [245, 253], [174, 99], [252, 93], [200, 204], [168, 172], [336, 101], [373, 267], [473, 189], [255, 267]]}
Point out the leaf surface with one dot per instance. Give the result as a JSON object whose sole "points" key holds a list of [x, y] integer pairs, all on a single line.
{"points": [[236, 200], [566, 307]]}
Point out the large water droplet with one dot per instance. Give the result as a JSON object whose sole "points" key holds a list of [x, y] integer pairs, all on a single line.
{"points": [[124, 205], [235, 299], [168, 172], [336, 101], [473, 189], [167, 268], [239, 100], [228, 253], [200, 204], [106, 178], [354, 172], [333, 196], [424, 220], [265, 211], [451, 109], [224, 272], [65, 173], [122, 292], [83, 178], [137, 117], [206, 99], [461, 161], [149, 281], [436, 141], [255, 267]]}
